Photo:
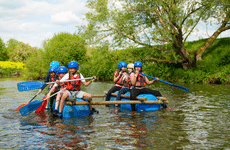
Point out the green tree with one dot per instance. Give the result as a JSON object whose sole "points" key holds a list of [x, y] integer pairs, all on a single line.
{"points": [[3, 53], [21, 52], [147, 23], [64, 47]]}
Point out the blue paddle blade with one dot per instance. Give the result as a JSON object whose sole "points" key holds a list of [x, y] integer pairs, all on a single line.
{"points": [[29, 108], [29, 85]]}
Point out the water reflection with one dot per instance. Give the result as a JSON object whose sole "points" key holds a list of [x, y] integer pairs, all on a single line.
{"points": [[197, 120]]}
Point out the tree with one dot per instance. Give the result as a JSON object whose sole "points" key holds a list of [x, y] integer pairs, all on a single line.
{"points": [[3, 53], [64, 47], [21, 52], [163, 25]]}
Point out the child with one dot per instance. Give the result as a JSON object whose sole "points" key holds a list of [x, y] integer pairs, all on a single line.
{"points": [[61, 72], [127, 82], [117, 78]]}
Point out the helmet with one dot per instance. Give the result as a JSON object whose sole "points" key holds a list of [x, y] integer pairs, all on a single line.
{"points": [[55, 64], [53, 69], [138, 64], [130, 65], [62, 69], [122, 64], [73, 64]]}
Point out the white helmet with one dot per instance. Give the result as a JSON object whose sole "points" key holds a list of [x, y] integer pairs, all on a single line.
{"points": [[130, 65]]}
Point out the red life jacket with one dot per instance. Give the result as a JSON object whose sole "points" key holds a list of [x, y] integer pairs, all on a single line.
{"points": [[120, 81], [53, 80], [126, 80], [63, 84], [73, 85], [140, 81]]}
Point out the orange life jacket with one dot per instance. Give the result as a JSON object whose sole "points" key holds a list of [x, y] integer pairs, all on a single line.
{"points": [[140, 81], [73, 85]]}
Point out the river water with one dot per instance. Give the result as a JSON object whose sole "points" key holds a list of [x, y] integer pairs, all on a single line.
{"points": [[196, 120]]}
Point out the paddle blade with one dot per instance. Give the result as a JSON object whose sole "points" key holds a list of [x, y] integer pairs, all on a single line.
{"points": [[29, 85], [27, 109], [22, 105], [42, 107], [181, 88]]}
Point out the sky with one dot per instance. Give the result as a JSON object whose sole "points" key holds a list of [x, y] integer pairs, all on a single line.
{"points": [[34, 21]]}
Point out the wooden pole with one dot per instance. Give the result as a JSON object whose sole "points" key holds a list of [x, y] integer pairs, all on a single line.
{"points": [[127, 96], [120, 102]]}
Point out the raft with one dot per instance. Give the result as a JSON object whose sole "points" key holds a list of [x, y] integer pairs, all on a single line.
{"points": [[140, 107], [147, 103]]}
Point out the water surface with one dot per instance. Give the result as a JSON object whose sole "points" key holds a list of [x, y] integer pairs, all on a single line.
{"points": [[196, 120]]}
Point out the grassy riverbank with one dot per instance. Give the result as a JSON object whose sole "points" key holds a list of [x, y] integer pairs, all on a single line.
{"points": [[214, 68], [102, 62]]}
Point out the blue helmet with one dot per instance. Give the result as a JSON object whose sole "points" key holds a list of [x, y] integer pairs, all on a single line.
{"points": [[62, 69], [138, 64], [53, 69], [55, 64], [73, 64], [122, 64]]}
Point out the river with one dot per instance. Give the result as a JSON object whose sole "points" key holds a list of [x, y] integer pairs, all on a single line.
{"points": [[196, 120]]}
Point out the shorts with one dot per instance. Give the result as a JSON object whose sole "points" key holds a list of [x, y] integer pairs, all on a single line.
{"points": [[77, 94]]}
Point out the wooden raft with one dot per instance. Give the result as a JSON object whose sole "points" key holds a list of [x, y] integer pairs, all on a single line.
{"points": [[140, 100]]}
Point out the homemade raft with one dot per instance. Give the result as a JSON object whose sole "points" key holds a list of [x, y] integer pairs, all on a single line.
{"points": [[146, 102]]}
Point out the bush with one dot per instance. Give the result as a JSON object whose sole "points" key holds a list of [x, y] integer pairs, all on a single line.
{"points": [[8, 68]]}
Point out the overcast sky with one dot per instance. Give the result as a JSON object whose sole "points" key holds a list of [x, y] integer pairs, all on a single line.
{"points": [[33, 21]]}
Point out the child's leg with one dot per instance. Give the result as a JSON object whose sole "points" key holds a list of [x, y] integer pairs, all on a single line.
{"points": [[58, 100]]}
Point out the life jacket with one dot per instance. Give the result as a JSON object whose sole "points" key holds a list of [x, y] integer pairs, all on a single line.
{"points": [[140, 82], [73, 85], [120, 81], [63, 84], [126, 80], [53, 79]]}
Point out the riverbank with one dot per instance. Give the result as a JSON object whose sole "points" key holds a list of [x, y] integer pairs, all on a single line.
{"points": [[102, 62]]}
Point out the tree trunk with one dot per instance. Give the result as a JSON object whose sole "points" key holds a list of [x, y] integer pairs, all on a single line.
{"points": [[201, 50]]}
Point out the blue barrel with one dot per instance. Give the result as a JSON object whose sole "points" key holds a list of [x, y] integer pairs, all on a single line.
{"points": [[74, 110], [140, 107]]}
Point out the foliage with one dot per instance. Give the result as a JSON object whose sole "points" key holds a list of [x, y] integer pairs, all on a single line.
{"points": [[21, 52], [152, 22], [8, 68], [215, 67], [3, 53], [62, 47]]}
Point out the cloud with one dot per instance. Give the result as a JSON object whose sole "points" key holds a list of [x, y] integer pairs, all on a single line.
{"points": [[66, 17]]}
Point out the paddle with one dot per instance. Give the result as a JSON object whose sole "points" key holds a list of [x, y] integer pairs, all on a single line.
{"points": [[17, 109], [42, 107], [32, 106], [175, 85], [32, 85]]}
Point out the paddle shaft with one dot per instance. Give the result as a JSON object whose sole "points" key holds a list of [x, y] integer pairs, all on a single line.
{"points": [[121, 102], [175, 85], [71, 80], [34, 97]]}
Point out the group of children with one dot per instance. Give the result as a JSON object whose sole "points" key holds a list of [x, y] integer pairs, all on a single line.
{"points": [[66, 90], [125, 81], [131, 81]]}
